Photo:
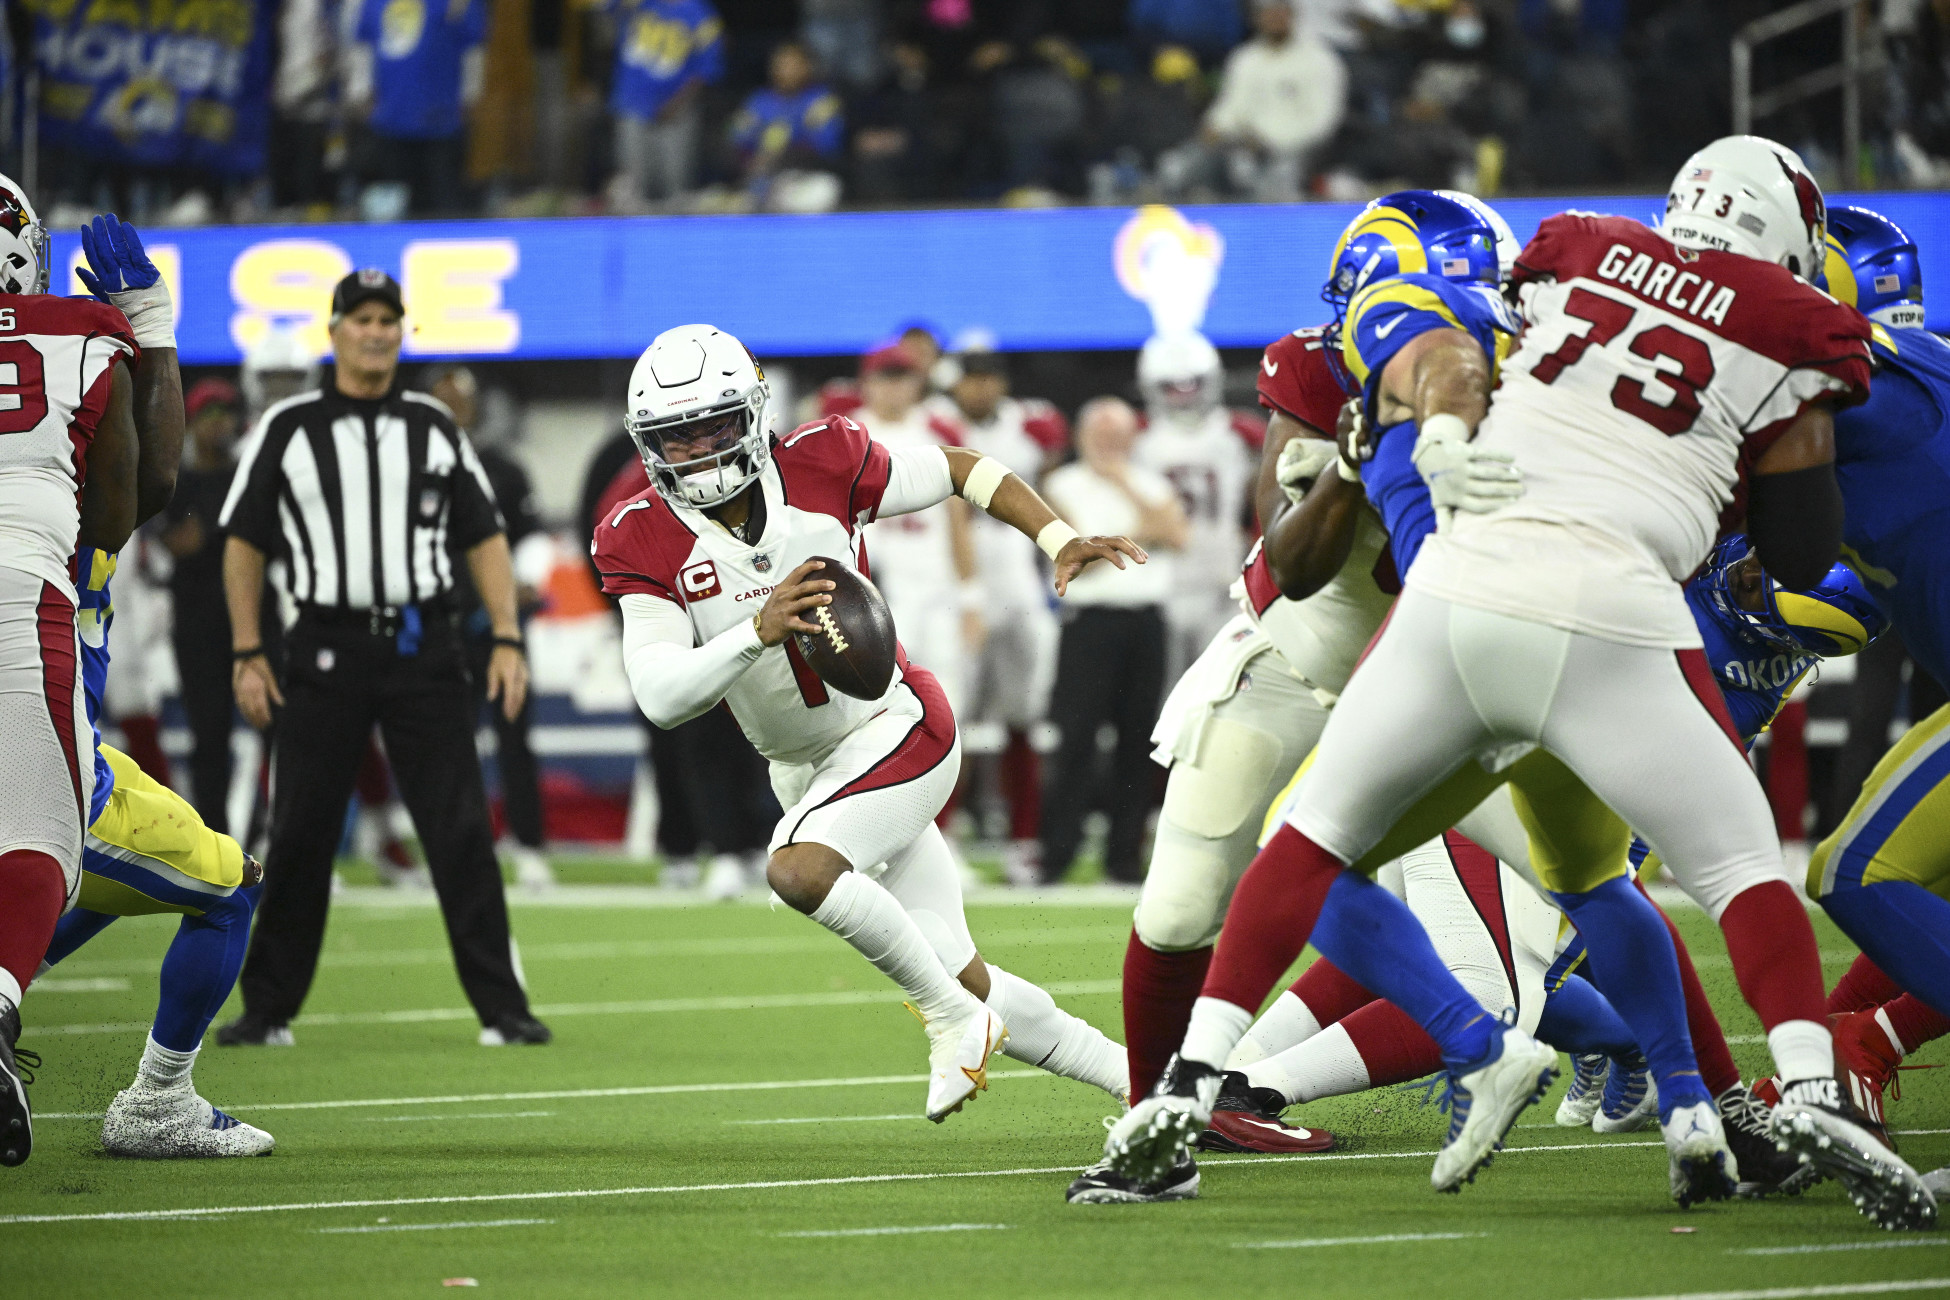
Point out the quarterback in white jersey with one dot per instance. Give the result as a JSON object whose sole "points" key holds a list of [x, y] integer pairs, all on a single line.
{"points": [[714, 569]]}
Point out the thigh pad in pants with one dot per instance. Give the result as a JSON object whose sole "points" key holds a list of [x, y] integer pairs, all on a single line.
{"points": [[150, 853]]}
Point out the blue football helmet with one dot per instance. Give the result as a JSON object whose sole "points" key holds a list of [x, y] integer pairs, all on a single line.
{"points": [[1873, 267], [1835, 617], [1411, 230]]}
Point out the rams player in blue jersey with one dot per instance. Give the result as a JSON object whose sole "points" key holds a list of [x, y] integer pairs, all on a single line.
{"points": [[1884, 874]]}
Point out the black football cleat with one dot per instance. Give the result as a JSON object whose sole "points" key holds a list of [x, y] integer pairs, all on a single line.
{"points": [[518, 1029], [248, 1030], [1818, 1123], [16, 1072], [1102, 1185], [1765, 1169]]}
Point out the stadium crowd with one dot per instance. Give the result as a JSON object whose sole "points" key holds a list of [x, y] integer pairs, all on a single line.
{"points": [[385, 108]]}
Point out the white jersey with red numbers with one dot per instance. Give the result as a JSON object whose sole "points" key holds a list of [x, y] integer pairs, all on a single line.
{"points": [[1648, 380], [1021, 433], [823, 485], [1321, 637], [1211, 464], [913, 555], [56, 356]]}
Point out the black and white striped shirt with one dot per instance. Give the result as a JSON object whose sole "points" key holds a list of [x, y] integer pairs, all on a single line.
{"points": [[361, 498]]}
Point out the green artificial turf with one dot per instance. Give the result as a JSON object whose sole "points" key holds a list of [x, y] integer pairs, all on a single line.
{"points": [[691, 998]]}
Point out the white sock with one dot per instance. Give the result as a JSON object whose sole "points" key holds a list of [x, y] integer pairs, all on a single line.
{"points": [[1888, 1028], [9, 991], [1046, 1036], [1802, 1049], [1326, 1065], [162, 1068], [864, 914], [1287, 1023], [1216, 1028]]}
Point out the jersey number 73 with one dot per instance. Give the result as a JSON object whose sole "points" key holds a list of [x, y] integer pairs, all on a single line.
{"points": [[1610, 319]]}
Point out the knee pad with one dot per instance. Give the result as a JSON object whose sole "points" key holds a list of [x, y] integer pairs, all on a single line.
{"points": [[1187, 889], [1215, 796]]}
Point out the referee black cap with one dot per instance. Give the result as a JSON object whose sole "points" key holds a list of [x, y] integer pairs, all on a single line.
{"points": [[367, 284]]}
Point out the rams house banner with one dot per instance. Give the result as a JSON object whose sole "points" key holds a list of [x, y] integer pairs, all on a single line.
{"points": [[157, 83]]}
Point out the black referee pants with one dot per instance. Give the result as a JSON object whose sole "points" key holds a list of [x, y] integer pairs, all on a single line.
{"points": [[339, 680]]}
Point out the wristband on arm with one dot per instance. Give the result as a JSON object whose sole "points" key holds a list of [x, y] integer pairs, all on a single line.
{"points": [[978, 489], [1055, 536]]}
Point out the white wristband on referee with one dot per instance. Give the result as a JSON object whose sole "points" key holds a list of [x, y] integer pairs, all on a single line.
{"points": [[1055, 536], [978, 489], [152, 318]]}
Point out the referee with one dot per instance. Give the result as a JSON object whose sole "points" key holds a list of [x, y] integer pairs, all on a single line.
{"points": [[360, 489]]}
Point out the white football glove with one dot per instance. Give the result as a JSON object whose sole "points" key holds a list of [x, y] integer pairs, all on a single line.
{"points": [[1460, 474], [1302, 461]]}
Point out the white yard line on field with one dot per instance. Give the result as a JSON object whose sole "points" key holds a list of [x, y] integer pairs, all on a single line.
{"points": [[828, 1119], [1804, 1292], [1310, 1242], [1825, 1247], [898, 1232], [478, 1114], [780, 1184], [646, 1007], [436, 1227]]}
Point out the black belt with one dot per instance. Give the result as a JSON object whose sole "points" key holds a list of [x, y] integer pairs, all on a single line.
{"points": [[378, 620]]}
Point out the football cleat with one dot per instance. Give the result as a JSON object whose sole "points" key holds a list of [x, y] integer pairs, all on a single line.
{"points": [[251, 1031], [1631, 1099], [1247, 1119], [1586, 1091], [1867, 1061], [1815, 1123], [1703, 1167], [517, 1030], [176, 1124], [16, 1072], [1938, 1181], [958, 1056], [1484, 1100], [1764, 1168], [1102, 1185], [1156, 1136]]}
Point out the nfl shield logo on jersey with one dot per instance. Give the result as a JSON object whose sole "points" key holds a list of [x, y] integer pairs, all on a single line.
{"points": [[763, 563]]}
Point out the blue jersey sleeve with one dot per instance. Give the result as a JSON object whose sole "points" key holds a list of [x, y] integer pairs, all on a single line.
{"points": [[1397, 491], [824, 124], [707, 50], [1384, 317]]}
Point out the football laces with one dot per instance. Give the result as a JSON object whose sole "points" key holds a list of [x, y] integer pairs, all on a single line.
{"points": [[824, 614]]}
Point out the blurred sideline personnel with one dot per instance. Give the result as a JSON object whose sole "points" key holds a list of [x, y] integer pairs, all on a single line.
{"points": [[147, 852], [1011, 684], [94, 382], [1210, 455], [714, 570], [521, 778], [1110, 667], [358, 489], [841, 396], [924, 562]]}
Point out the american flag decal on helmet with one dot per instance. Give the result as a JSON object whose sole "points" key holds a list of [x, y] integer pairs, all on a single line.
{"points": [[1888, 283], [1700, 174]]}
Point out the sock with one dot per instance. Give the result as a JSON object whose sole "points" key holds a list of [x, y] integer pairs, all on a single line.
{"points": [[1159, 989], [1286, 1024], [1774, 956], [1911, 1022], [1216, 1028], [1803, 1049], [162, 1068], [1022, 785], [1392, 1046], [32, 892], [1272, 914], [1372, 936], [864, 914], [1862, 986], [1329, 993], [1716, 1067], [200, 969], [1577, 1019], [1906, 930], [1044, 1035], [1634, 962], [1326, 1065]]}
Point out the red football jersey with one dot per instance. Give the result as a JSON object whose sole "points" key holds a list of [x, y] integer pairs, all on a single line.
{"points": [[1295, 378]]}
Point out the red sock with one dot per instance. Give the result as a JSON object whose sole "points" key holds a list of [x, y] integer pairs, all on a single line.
{"points": [[1273, 913], [1716, 1068], [1022, 786], [1916, 1021], [1159, 989], [32, 891], [1392, 1046], [1863, 986], [1329, 993], [1774, 954], [142, 732]]}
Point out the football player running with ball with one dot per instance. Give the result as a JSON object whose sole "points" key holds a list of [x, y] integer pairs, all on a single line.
{"points": [[715, 573]]}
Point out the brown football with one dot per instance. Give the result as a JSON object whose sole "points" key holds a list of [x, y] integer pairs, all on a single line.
{"points": [[853, 652]]}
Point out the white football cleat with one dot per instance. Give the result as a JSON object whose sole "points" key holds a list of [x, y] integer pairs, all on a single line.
{"points": [[177, 1124], [1702, 1166], [532, 871], [958, 1056], [1631, 1099], [1155, 1137], [1484, 1102], [1587, 1090], [725, 879], [1812, 1121]]}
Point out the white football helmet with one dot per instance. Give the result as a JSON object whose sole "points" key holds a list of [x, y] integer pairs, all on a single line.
{"points": [[1507, 246], [278, 365], [23, 242], [698, 387], [1180, 376], [1748, 195]]}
